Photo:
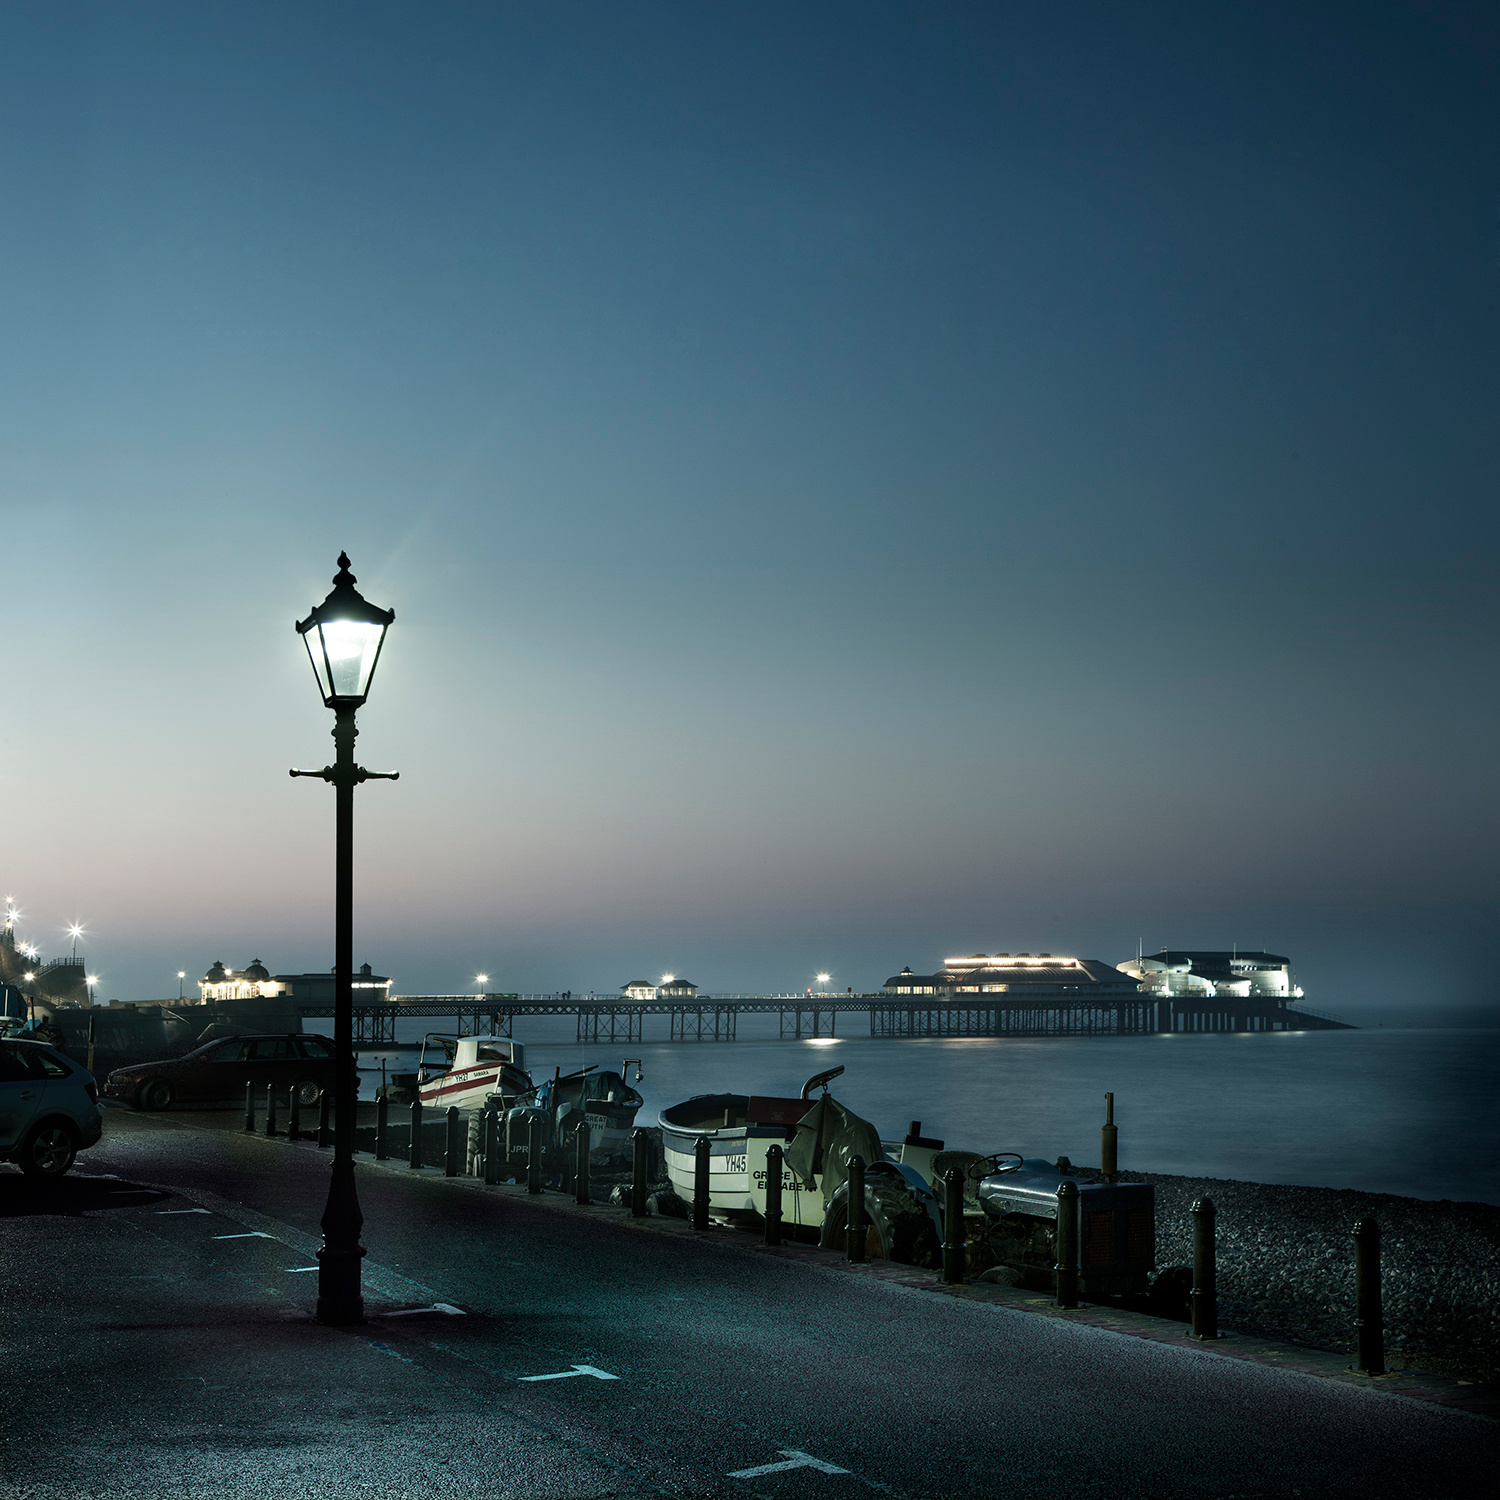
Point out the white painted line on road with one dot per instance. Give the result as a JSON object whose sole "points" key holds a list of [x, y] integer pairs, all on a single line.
{"points": [[795, 1459], [165, 1211], [292, 1270], [254, 1234], [576, 1370], [412, 1312]]}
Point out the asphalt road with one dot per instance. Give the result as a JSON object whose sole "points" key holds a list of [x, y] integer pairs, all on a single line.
{"points": [[158, 1341]]}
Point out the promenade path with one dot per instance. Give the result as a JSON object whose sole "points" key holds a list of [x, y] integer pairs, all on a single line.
{"points": [[158, 1341]]}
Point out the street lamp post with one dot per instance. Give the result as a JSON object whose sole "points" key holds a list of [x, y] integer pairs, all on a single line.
{"points": [[343, 636], [181, 975]]}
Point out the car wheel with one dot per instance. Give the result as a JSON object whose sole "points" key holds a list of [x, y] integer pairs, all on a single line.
{"points": [[48, 1150], [156, 1095], [307, 1092]]}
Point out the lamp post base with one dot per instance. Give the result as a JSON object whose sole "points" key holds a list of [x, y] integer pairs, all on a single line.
{"points": [[339, 1300]]}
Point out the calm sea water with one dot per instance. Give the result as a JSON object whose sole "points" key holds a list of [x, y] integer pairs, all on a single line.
{"points": [[1385, 1110]]}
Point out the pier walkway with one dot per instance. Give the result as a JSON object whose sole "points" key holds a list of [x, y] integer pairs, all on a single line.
{"points": [[715, 1018]]}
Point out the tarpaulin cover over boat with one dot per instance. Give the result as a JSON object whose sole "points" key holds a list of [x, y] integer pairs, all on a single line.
{"points": [[827, 1136]]}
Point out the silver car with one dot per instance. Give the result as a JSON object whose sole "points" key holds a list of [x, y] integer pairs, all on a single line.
{"points": [[49, 1108]]}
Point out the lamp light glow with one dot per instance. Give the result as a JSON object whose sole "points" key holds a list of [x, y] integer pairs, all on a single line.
{"points": [[668, 978], [343, 636]]}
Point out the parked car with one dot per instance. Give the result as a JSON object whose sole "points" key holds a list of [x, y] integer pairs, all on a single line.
{"points": [[49, 1108], [220, 1069]]}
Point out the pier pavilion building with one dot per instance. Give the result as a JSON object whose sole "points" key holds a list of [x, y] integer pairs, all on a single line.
{"points": [[1018, 973], [1214, 973]]}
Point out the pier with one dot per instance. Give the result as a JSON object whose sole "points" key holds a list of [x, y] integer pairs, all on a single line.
{"points": [[714, 1018]]}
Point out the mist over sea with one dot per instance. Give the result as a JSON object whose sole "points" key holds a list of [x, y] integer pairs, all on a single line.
{"points": [[1388, 1110]]}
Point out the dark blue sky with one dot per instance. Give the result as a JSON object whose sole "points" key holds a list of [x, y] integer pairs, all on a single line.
{"points": [[856, 482]]}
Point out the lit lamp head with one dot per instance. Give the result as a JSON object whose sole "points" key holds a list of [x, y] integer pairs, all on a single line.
{"points": [[343, 636]]}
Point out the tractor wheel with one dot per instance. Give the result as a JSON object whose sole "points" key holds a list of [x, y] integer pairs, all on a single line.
{"points": [[898, 1227]]}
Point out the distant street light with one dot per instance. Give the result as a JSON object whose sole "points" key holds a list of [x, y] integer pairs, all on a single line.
{"points": [[181, 975], [75, 932], [481, 979], [668, 978], [823, 980], [343, 636], [91, 980]]}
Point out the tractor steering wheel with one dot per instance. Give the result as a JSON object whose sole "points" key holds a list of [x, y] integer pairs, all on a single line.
{"points": [[991, 1166]]}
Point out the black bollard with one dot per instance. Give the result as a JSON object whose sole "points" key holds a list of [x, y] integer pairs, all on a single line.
{"points": [[534, 1156], [293, 1115], [581, 1163], [270, 1109], [382, 1114], [250, 1108], [453, 1146], [855, 1231], [953, 1226], [325, 1128], [1109, 1142], [702, 1154], [1066, 1240], [640, 1145], [414, 1149], [1204, 1299], [773, 1195], [490, 1138], [1369, 1314]]}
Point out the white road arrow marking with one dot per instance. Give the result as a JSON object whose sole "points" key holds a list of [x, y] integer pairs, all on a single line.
{"points": [[569, 1374], [795, 1459], [254, 1234]]}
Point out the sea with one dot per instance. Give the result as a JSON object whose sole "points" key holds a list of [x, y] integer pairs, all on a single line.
{"points": [[1386, 1110]]}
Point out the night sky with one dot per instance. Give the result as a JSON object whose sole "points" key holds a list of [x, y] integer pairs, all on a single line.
{"points": [[857, 483]]}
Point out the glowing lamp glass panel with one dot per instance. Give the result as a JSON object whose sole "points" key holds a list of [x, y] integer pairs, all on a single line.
{"points": [[343, 656]]}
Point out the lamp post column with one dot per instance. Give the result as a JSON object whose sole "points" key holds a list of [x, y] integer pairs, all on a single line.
{"points": [[339, 1298]]}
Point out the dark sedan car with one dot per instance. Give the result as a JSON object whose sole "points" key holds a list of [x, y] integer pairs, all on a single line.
{"points": [[221, 1069]]}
